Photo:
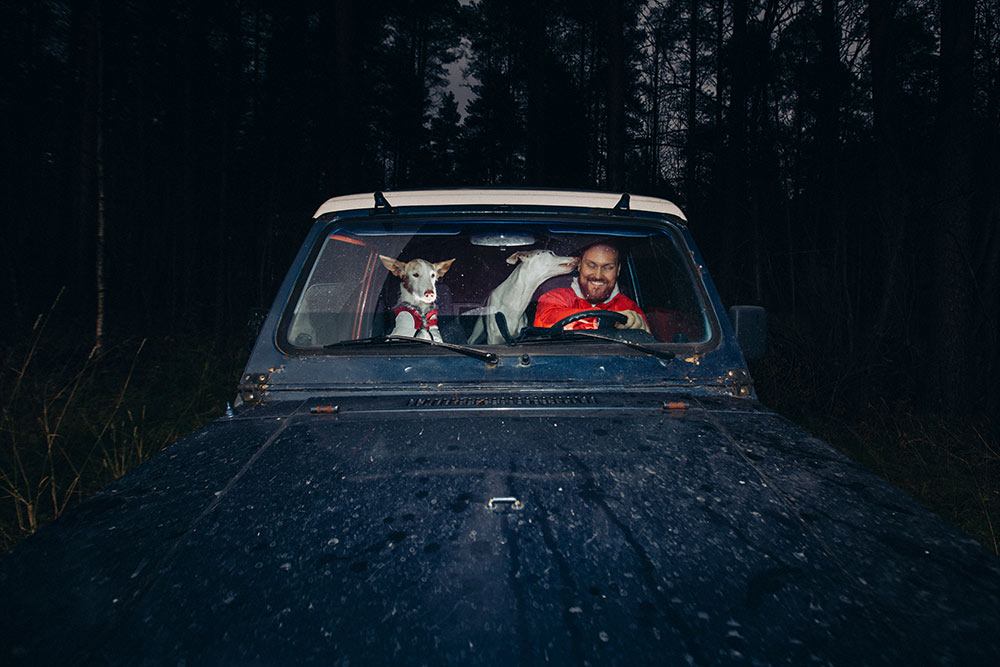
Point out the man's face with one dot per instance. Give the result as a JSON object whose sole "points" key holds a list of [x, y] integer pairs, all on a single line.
{"points": [[598, 273]]}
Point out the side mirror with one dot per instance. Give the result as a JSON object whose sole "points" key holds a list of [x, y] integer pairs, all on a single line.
{"points": [[750, 324]]}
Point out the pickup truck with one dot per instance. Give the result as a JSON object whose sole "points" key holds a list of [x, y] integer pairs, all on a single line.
{"points": [[421, 466]]}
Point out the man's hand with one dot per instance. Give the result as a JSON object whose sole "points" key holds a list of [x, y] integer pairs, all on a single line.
{"points": [[634, 321]]}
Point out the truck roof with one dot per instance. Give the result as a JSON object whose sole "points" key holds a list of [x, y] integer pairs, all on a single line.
{"points": [[500, 197]]}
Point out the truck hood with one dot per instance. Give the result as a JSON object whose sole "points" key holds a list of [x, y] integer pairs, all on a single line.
{"points": [[700, 531]]}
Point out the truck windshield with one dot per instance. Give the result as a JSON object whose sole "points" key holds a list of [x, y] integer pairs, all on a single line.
{"points": [[448, 281]]}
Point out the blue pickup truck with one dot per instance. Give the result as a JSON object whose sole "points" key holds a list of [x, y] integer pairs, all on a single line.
{"points": [[500, 427]]}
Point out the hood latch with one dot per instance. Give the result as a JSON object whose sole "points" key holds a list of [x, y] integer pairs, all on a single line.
{"points": [[738, 383], [251, 390]]}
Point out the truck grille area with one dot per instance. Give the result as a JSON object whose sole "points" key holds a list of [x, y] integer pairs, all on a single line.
{"points": [[503, 401]]}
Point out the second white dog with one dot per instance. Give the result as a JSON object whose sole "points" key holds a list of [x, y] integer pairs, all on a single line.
{"points": [[512, 296]]}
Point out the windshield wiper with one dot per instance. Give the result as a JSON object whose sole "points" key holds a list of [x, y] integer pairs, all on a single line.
{"points": [[488, 357], [542, 334]]}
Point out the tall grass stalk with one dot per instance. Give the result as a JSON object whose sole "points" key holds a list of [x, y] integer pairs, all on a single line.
{"points": [[74, 420]]}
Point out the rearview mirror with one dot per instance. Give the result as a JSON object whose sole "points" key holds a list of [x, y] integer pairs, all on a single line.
{"points": [[503, 239], [750, 325]]}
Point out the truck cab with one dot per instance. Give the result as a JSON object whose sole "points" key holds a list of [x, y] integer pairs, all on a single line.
{"points": [[332, 322]]}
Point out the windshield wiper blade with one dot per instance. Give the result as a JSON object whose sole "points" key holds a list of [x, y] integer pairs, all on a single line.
{"points": [[488, 357], [541, 334]]}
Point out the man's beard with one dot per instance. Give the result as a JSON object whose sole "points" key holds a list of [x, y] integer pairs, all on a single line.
{"points": [[595, 293]]}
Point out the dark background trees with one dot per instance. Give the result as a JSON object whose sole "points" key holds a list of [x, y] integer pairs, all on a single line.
{"points": [[839, 159]]}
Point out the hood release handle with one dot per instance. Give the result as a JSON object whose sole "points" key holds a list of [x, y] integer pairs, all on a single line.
{"points": [[505, 502]]}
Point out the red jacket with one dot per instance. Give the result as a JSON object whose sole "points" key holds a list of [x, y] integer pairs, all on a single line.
{"points": [[561, 302]]}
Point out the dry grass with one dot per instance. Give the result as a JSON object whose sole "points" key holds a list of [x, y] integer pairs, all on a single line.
{"points": [[74, 419], [949, 462]]}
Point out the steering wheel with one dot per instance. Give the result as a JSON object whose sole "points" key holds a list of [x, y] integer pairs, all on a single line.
{"points": [[602, 316]]}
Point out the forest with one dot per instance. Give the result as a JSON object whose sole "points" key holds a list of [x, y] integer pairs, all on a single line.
{"points": [[839, 161]]}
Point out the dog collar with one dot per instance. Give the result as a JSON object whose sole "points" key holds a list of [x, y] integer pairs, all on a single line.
{"points": [[420, 320]]}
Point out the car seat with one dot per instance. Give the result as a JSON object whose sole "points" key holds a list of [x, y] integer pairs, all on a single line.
{"points": [[324, 314], [548, 285]]}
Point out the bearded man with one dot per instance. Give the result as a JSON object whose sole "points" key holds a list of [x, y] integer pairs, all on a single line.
{"points": [[596, 288]]}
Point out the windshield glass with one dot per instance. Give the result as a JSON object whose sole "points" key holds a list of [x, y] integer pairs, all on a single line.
{"points": [[448, 281]]}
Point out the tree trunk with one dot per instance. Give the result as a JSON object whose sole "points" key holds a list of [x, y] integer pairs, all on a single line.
{"points": [[535, 46], [736, 154], [716, 206], [615, 25], [654, 117], [720, 78], [892, 198], [951, 231], [85, 191], [690, 166], [223, 274], [829, 111], [345, 131], [90, 195], [827, 227], [99, 282]]}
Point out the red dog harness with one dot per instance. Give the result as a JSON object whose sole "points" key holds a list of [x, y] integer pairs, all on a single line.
{"points": [[420, 320]]}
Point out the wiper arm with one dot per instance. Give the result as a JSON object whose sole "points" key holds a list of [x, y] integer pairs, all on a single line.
{"points": [[541, 334], [488, 357]]}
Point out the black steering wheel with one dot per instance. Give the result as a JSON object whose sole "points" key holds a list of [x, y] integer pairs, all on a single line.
{"points": [[603, 316]]}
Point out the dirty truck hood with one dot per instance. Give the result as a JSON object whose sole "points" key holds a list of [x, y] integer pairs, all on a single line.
{"points": [[700, 534]]}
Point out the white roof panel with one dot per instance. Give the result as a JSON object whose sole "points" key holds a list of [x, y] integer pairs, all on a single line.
{"points": [[499, 197]]}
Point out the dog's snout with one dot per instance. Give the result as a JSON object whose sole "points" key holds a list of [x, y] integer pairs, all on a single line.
{"points": [[429, 292]]}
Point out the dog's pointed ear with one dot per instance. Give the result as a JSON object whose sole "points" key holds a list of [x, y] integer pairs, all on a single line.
{"points": [[516, 257], [394, 265], [441, 268]]}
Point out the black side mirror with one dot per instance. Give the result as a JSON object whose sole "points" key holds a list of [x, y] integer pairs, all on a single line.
{"points": [[750, 324]]}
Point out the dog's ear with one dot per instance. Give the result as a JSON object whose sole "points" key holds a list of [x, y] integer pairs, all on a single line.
{"points": [[395, 266], [442, 267], [516, 257]]}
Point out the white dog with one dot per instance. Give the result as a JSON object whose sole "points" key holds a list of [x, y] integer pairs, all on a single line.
{"points": [[416, 314], [512, 296]]}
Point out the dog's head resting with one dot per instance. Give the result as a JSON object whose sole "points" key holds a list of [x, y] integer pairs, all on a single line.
{"points": [[543, 264], [419, 277]]}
